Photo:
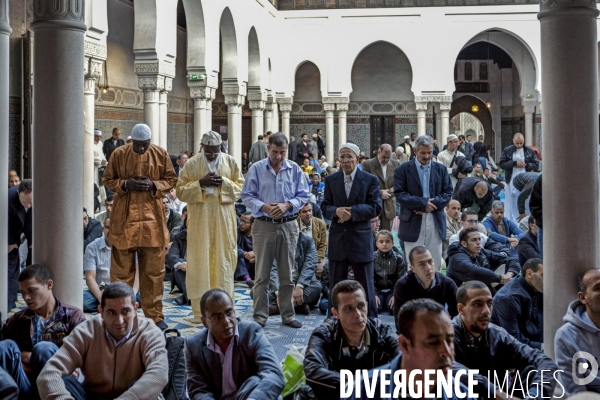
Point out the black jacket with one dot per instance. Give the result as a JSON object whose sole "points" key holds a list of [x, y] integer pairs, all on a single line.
{"points": [[301, 149], [108, 147], [463, 267], [479, 150], [389, 267], [177, 253], [507, 164], [92, 232], [323, 358], [528, 248], [409, 288], [464, 193], [19, 221], [535, 203], [321, 146], [519, 309], [497, 352]]}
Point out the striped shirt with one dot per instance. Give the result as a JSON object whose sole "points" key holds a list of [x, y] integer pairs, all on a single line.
{"points": [[97, 258]]}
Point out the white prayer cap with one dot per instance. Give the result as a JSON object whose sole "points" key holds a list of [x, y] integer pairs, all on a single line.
{"points": [[211, 138], [452, 137], [97, 132], [352, 147], [406, 137], [141, 133], [128, 139]]}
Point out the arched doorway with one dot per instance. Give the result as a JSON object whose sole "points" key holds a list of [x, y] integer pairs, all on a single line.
{"points": [[476, 107]]}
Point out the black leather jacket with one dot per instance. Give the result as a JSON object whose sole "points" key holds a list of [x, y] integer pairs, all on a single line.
{"points": [[498, 352], [323, 357], [507, 164]]}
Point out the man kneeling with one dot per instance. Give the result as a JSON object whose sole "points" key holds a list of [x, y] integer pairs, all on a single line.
{"points": [[119, 353], [231, 359]]}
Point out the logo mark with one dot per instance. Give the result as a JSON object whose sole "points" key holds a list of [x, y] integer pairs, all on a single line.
{"points": [[579, 368]]}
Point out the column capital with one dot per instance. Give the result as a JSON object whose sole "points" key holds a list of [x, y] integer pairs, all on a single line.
{"points": [[257, 95], [445, 107], [421, 106], [436, 98], [529, 106], [168, 85], [342, 107], [63, 14], [284, 100], [92, 67], [329, 107], [94, 49], [268, 106], [4, 17], [257, 105], [151, 83], [151, 96], [285, 108], [235, 100], [202, 93]]}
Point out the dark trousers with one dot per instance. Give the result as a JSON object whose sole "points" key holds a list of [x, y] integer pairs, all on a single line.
{"points": [[10, 361], [363, 273], [178, 279], [244, 267], [13, 274], [384, 299]]}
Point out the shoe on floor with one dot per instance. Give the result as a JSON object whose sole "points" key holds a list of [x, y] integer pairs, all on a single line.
{"points": [[162, 325], [294, 324], [304, 309], [180, 300], [273, 309]]}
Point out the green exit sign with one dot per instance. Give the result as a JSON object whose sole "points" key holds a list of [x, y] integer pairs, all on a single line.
{"points": [[196, 77]]}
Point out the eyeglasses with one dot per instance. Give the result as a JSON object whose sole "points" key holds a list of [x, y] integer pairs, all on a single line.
{"points": [[242, 222], [220, 317]]}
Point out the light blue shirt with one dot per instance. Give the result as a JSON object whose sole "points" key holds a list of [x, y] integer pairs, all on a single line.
{"points": [[120, 341], [424, 173], [263, 186]]}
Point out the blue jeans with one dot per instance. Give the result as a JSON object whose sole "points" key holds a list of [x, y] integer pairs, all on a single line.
{"points": [[10, 361], [483, 162], [384, 299], [540, 241], [90, 302], [324, 306]]}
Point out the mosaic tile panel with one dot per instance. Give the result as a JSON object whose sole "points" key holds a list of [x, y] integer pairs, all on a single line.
{"points": [[538, 136], [296, 130], [180, 137], [406, 129], [360, 134]]}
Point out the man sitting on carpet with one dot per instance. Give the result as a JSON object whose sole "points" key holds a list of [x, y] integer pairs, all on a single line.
{"points": [[348, 341], [231, 359]]}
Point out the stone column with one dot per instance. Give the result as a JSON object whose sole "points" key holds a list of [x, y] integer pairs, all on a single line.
{"points": [[329, 150], [162, 118], [342, 109], [528, 110], [268, 122], [89, 92], [208, 111], [152, 114], [570, 121], [199, 115], [275, 121], [445, 123], [438, 124], [421, 118], [5, 31], [234, 124], [59, 31], [285, 104], [257, 101]]}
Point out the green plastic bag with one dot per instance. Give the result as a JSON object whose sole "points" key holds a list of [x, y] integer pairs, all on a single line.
{"points": [[293, 372]]}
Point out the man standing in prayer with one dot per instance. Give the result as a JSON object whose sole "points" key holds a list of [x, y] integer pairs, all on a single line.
{"points": [[140, 175], [210, 184], [275, 190], [99, 161], [516, 159], [448, 158]]}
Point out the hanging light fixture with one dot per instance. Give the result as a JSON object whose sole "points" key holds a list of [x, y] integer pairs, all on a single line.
{"points": [[474, 108], [104, 88], [489, 104]]}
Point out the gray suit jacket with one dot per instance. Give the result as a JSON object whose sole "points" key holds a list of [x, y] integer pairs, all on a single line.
{"points": [[373, 166], [253, 355]]}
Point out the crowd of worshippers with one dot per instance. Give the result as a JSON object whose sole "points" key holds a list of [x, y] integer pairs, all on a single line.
{"points": [[467, 269]]}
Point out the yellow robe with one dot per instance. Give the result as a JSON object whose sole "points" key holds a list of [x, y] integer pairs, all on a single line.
{"points": [[211, 226]]}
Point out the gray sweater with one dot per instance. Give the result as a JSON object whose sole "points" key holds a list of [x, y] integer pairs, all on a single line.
{"points": [[578, 333]]}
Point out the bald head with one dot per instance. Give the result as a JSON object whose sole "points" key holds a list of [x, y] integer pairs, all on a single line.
{"points": [[518, 140], [384, 153], [481, 189]]}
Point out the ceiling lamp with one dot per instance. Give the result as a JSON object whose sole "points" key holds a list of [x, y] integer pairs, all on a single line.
{"points": [[488, 104], [474, 108]]}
